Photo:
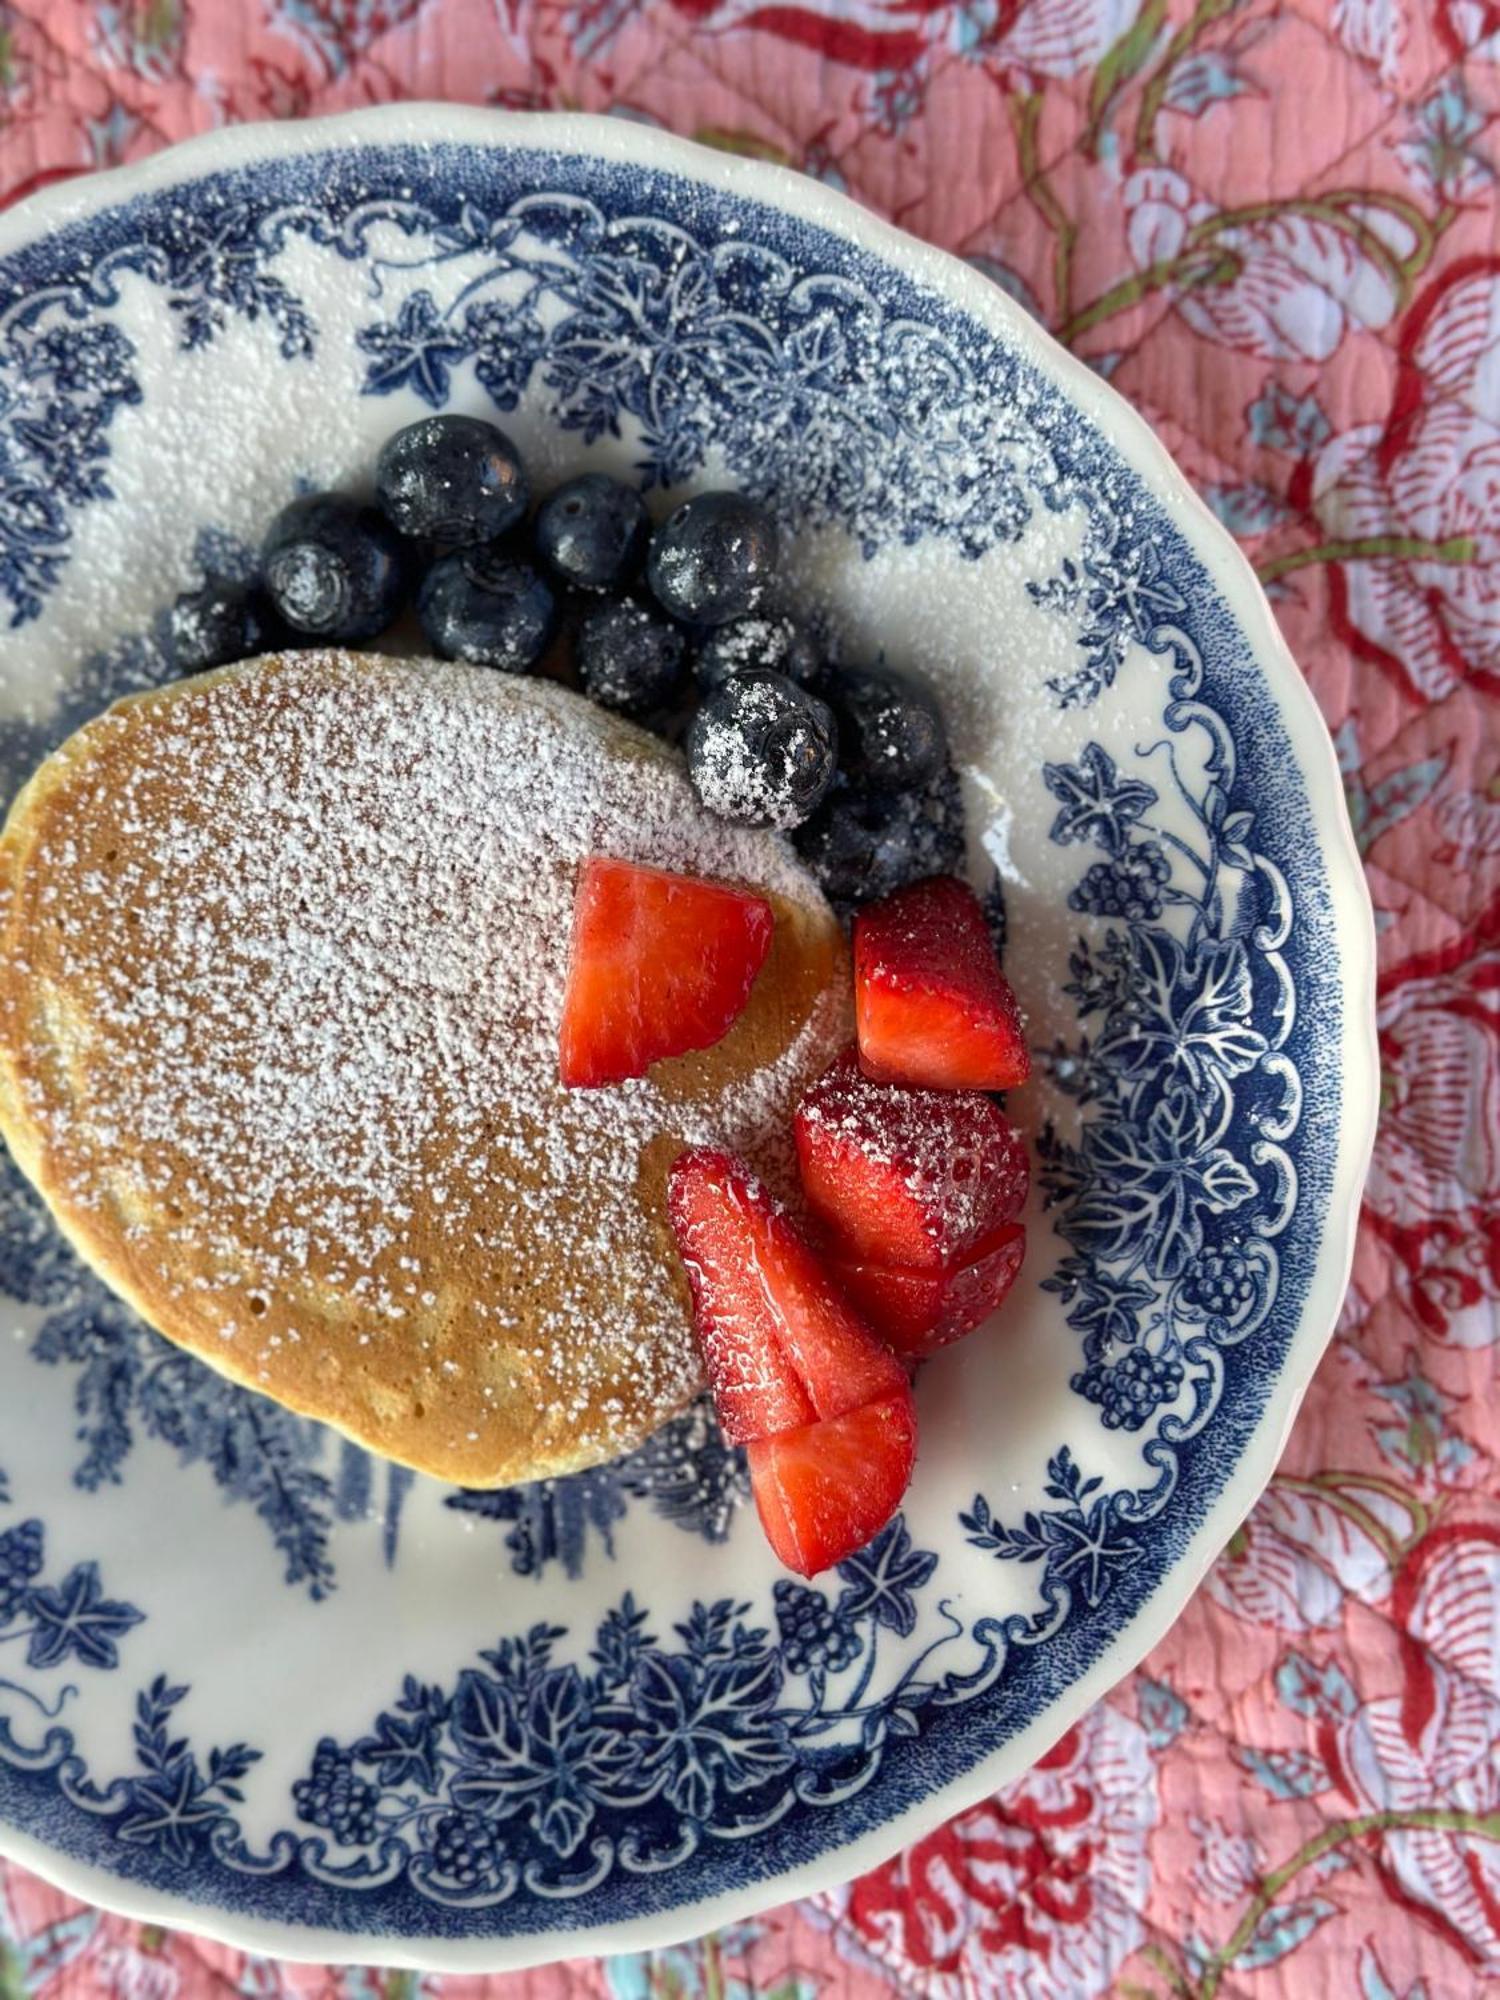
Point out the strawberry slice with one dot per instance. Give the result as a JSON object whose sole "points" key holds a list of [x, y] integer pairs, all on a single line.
{"points": [[661, 964], [931, 1005], [917, 1312], [917, 1178], [780, 1344], [823, 1491]]}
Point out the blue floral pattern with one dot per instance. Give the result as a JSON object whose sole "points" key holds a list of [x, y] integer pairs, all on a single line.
{"points": [[600, 1758], [71, 1621]]}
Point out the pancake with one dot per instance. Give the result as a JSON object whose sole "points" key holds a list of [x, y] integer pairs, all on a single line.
{"points": [[284, 950]]}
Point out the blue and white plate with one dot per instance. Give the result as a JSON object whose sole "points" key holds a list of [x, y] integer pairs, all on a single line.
{"points": [[255, 1682]]}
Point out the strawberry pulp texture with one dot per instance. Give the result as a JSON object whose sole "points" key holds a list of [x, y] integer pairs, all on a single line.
{"points": [[661, 964], [824, 1407], [931, 1005]]}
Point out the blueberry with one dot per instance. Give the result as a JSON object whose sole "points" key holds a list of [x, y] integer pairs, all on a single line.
{"points": [[484, 606], [333, 568], [861, 846], [592, 533], [630, 658], [762, 751], [451, 479], [714, 558], [891, 734], [775, 645], [221, 622]]}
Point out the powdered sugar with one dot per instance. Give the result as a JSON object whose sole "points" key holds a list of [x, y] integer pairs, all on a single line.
{"points": [[343, 893]]}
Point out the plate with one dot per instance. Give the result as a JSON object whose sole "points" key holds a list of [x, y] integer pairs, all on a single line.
{"points": [[256, 1683]]}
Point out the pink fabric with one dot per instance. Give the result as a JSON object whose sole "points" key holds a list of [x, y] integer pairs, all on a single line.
{"points": [[1275, 228]]}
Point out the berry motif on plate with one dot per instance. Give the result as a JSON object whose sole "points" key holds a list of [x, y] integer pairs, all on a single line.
{"points": [[633, 327], [827, 383], [68, 1621]]}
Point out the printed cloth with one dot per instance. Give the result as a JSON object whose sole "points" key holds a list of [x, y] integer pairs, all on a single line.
{"points": [[1274, 228]]}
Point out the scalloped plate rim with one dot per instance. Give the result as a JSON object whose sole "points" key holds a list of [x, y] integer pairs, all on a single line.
{"points": [[779, 187]]}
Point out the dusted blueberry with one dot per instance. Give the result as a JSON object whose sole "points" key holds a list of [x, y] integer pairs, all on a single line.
{"points": [[630, 658], [773, 645], [484, 606], [333, 568], [861, 846], [891, 733], [592, 533], [762, 751], [451, 479], [714, 558], [219, 623]]}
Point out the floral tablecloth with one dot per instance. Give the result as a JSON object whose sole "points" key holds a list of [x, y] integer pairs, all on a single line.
{"points": [[1274, 228]]}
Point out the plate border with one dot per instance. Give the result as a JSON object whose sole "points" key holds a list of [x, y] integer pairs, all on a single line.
{"points": [[1350, 913]]}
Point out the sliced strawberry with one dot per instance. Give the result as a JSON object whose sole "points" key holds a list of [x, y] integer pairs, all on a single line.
{"points": [[661, 964], [931, 1005], [780, 1343], [917, 1312], [823, 1491], [909, 1177]]}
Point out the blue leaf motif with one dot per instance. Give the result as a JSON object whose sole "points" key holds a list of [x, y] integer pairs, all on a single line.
{"points": [[77, 1621], [416, 352], [881, 1580], [1281, 1929], [1149, 1187], [1097, 803], [1163, 1714]]}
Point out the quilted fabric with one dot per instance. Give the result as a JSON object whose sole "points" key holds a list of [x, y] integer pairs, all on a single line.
{"points": [[1274, 228]]}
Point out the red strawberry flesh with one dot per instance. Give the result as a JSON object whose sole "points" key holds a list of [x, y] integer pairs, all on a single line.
{"points": [[917, 1312], [931, 1005], [907, 1177], [780, 1344], [661, 965], [823, 1491]]}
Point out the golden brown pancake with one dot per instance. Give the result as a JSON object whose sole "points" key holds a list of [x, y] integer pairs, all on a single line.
{"points": [[284, 950]]}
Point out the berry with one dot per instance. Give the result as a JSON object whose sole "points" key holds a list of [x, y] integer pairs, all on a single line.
{"points": [[825, 1490], [1219, 1284], [21, 1550], [592, 533], [661, 964], [483, 606], [630, 658], [813, 1636], [221, 622], [917, 1312], [1130, 888], [333, 568], [334, 1798], [451, 479], [773, 645], [931, 1005], [463, 1849], [891, 734], [714, 558], [859, 847], [780, 1346], [914, 1178], [762, 751], [1130, 1390]]}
